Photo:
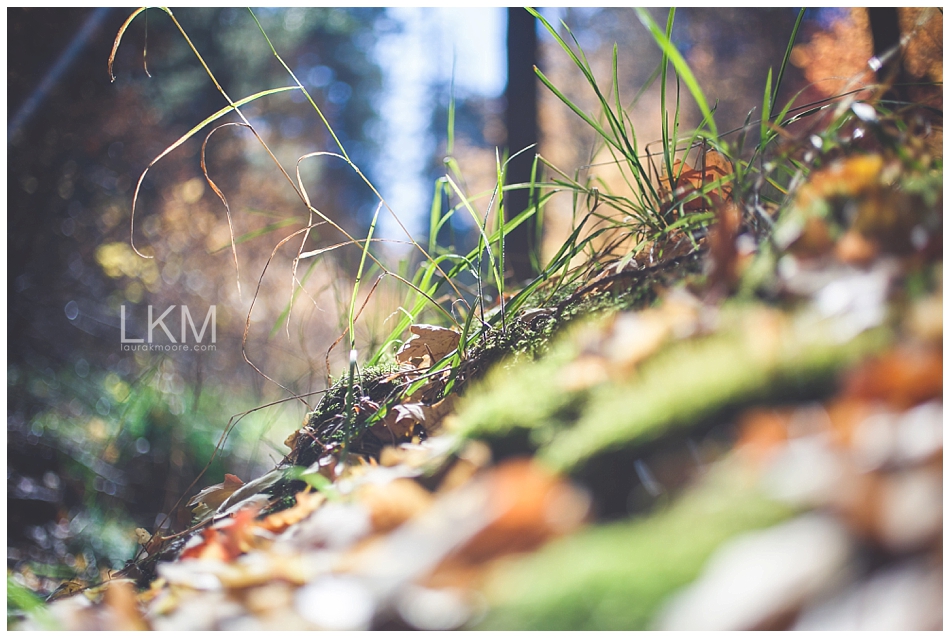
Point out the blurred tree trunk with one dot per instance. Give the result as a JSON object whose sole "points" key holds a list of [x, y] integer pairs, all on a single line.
{"points": [[522, 125], [886, 34]]}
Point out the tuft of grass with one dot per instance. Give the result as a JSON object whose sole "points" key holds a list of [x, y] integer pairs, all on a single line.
{"points": [[647, 222]]}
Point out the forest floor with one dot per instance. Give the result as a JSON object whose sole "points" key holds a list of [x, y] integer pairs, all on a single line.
{"points": [[743, 433]]}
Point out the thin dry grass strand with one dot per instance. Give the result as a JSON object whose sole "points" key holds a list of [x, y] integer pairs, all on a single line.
{"points": [[306, 198], [346, 158], [247, 321], [299, 191], [302, 190], [118, 39], [319, 251], [232, 106], [227, 208], [232, 423], [346, 330]]}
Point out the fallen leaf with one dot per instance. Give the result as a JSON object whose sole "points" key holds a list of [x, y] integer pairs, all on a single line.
{"points": [[68, 588], [813, 239], [227, 540], [530, 505], [401, 420], [724, 273], [307, 503], [125, 613], [855, 248], [291, 441], [427, 342], [762, 433], [845, 178], [903, 377], [205, 502], [142, 536], [925, 320], [392, 504], [713, 167], [253, 487]]}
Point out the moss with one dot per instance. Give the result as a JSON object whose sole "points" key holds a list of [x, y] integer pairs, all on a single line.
{"points": [[616, 577], [325, 425], [757, 355], [693, 379]]}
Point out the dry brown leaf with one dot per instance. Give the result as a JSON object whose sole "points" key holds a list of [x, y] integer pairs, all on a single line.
{"points": [[925, 320], [814, 240], [210, 498], [461, 472], [855, 248], [427, 342], [142, 536], [121, 602], [527, 506], [394, 503], [845, 416], [584, 372], [401, 420], [850, 177], [67, 589], [291, 440]]}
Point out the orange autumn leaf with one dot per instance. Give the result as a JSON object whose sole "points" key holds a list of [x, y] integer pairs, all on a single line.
{"points": [[712, 167], [209, 548], [904, 377], [532, 505], [125, 614], [228, 540], [307, 503], [852, 177], [762, 433]]}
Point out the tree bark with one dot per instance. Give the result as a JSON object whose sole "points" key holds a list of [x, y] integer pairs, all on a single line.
{"points": [[522, 125]]}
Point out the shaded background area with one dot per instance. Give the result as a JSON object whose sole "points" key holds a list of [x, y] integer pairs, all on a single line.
{"points": [[101, 440]]}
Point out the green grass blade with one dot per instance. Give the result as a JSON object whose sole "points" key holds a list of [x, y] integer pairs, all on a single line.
{"points": [[187, 136], [22, 598], [359, 276], [450, 137], [435, 215], [665, 123], [682, 68], [788, 55], [766, 107], [316, 108], [500, 277]]}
